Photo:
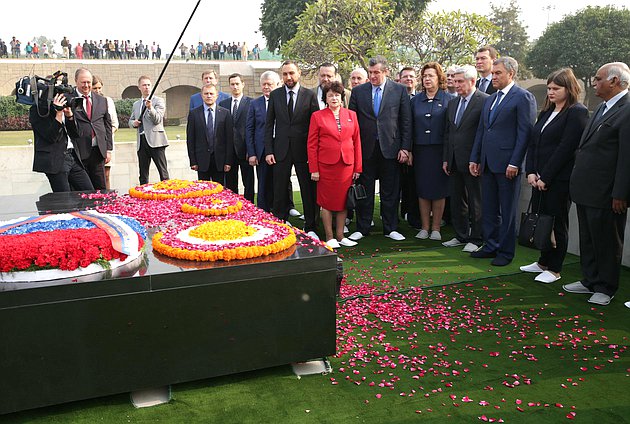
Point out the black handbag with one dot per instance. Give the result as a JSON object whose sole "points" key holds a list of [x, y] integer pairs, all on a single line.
{"points": [[356, 192], [536, 229]]}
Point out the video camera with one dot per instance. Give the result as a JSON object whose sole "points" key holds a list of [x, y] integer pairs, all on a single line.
{"points": [[37, 90]]}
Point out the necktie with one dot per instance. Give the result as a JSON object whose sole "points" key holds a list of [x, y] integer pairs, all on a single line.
{"points": [[460, 111], [88, 111], [290, 105], [88, 106], [234, 109], [377, 101], [600, 112], [496, 104], [483, 85], [142, 109], [210, 130]]}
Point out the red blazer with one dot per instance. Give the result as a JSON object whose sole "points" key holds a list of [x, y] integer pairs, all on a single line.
{"points": [[326, 144]]}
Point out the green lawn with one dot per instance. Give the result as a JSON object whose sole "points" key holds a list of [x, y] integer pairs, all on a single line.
{"points": [[424, 334], [19, 138]]}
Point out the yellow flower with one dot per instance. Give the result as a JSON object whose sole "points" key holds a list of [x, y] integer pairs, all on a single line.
{"points": [[223, 230]]}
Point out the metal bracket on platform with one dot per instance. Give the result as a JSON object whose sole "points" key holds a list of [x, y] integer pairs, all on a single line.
{"points": [[315, 366], [151, 397]]}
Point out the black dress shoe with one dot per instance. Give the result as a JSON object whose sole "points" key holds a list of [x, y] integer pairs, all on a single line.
{"points": [[483, 254], [501, 261]]}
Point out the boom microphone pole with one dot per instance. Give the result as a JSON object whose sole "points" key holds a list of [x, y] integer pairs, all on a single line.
{"points": [[144, 108]]}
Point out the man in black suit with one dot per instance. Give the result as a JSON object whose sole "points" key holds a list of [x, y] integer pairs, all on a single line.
{"points": [[286, 132], [209, 137], [54, 153], [483, 62], [600, 186], [94, 141], [461, 128], [238, 105], [384, 113]]}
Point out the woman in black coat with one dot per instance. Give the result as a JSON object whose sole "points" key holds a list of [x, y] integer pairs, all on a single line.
{"points": [[550, 157]]}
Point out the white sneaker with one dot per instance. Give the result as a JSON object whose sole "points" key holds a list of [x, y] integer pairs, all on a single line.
{"points": [[345, 229], [435, 235], [422, 234], [288, 223], [546, 277], [302, 217], [312, 234], [372, 224], [333, 244], [348, 221], [356, 236], [294, 212], [532, 268], [395, 235], [470, 247], [600, 299], [577, 287], [347, 242], [452, 243]]}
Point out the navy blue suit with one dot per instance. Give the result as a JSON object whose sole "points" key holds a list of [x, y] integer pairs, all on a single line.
{"points": [[255, 144], [500, 142], [240, 150]]}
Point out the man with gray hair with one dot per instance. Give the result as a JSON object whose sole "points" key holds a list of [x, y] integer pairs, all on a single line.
{"points": [[600, 186], [507, 119], [463, 114], [450, 84]]}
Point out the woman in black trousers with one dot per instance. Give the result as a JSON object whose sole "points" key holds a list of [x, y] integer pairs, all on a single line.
{"points": [[550, 157]]}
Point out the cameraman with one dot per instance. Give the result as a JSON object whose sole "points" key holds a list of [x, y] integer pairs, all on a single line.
{"points": [[54, 152]]}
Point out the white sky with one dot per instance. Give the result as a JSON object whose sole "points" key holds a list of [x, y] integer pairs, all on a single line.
{"points": [[214, 20]]}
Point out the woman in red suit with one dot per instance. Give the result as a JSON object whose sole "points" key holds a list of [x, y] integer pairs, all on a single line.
{"points": [[334, 160]]}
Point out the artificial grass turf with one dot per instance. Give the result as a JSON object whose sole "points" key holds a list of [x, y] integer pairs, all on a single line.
{"points": [[425, 333]]}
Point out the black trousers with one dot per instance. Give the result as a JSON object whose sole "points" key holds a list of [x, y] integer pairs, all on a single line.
{"points": [[466, 207], [601, 247], [212, 173], [408, 198], [247, 176], [308, 191], [95, 167], [73, 177], [555, 201], [387, 171], [145, 154]]}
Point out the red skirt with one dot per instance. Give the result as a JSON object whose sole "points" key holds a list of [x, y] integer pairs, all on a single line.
{"points": [[332, 187]]}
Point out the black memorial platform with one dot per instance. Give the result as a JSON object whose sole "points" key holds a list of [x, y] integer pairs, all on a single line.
{"points": [[167, 321]]}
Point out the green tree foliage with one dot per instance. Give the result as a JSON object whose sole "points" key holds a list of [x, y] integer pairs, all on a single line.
{"points": [[583, 41], [513, 40], [346, 32], [444, 37], [279, 24], [42, 39]]}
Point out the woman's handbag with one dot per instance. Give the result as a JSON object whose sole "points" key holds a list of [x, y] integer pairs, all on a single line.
{"points": [[356, 192], [536, 229]]}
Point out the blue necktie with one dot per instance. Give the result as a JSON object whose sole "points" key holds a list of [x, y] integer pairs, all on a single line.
{"points": [[460, 112], [377, 101], [496, 105]]}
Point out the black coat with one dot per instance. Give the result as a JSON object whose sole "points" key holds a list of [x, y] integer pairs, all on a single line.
{"points": [[51, 140], [197, 139]]}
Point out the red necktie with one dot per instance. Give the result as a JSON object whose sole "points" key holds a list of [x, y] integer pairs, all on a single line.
{"points": [[88, 107]]}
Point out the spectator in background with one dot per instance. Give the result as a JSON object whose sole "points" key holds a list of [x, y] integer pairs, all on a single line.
{"points": [[334, 160], [428, 111], [207, 77], [450, 83], [483, 62], [97, 87]]}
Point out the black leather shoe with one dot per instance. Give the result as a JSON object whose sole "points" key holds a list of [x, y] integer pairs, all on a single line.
{"points": [[501, 261], [483, 254]]}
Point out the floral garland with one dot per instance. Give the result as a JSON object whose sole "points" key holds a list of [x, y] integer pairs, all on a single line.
{"points": [[175, 189], [60, 243], [225, 240], [224, 203]]}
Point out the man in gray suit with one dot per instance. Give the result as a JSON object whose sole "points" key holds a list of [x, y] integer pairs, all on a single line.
{"points": [[600, 186], [384, 115], [461, 128], [148, 117]]}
